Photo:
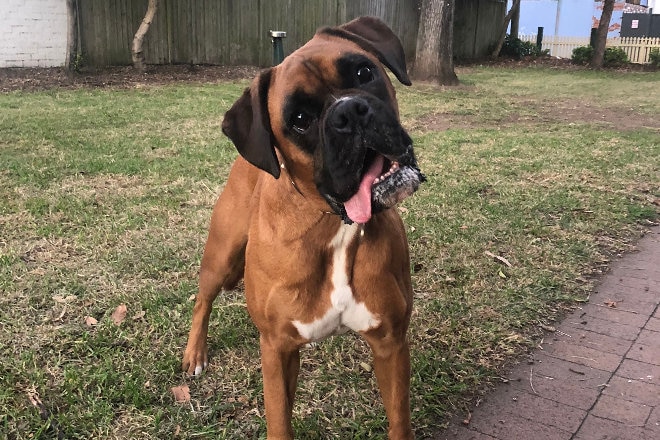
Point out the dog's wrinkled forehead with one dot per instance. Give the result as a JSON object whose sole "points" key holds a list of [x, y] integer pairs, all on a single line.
{"points": [[325, 65]]}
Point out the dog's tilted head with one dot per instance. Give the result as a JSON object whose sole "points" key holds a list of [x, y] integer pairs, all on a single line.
{"points": [[331, 112]]}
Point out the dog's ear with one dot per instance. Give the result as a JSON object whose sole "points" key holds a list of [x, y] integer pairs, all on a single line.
{"points": [[247, 124], [374, 36]]}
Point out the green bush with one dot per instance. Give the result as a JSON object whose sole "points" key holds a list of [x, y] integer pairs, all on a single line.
{"points": [[615, 57], [582, 55], [516, 48], [654, 57]]}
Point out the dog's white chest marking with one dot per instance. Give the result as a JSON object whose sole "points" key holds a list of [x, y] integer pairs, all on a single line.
{"points": [[345, 313]]}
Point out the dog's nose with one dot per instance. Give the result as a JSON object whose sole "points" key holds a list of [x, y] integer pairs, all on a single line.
{"points": [[350, 114]]}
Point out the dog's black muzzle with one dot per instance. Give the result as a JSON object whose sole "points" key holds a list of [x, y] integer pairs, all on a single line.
{"points": [[365, 148]]}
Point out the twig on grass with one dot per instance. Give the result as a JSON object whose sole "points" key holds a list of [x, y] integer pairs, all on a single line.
{"points": [[498, 258]]}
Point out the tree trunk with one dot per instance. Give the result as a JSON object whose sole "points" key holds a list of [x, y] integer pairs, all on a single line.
{"points": [[434, 56], [601, 34], [71, 35], [136, 49], [515, 21], [507, 19]]}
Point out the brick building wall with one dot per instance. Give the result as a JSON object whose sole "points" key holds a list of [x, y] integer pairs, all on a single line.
{"points": [[32, 33]]}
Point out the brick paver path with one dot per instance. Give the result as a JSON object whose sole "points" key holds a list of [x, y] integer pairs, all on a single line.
{"points": [[597, 377]]}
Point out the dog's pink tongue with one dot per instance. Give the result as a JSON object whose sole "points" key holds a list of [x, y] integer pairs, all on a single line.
{"points": [[358, 207]]}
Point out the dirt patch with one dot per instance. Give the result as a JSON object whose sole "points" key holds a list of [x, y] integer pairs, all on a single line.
{"points": [[545, 112], [36, 79], [578, 112]]}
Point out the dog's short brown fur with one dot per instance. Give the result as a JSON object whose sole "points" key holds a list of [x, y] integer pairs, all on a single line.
{"points": [[307, 130]]}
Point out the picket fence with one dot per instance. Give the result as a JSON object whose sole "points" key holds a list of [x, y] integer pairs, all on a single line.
{"points": [[637, 48]]}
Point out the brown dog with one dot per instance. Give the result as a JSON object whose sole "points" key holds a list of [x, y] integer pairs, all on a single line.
{"points": [[304, 216]]}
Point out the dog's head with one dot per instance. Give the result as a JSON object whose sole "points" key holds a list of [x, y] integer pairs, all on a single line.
{"points": [[330, 110]]}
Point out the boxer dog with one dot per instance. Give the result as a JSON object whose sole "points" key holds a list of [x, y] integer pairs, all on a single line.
{"points": [[304, 217]]}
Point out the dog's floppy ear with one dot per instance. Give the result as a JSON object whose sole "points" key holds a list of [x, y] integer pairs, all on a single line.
{"points": [[374, 36], [247, 124]]}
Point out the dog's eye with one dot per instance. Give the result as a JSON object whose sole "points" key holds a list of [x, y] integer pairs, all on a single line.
{"points": [[365, 74], [300, 121]]}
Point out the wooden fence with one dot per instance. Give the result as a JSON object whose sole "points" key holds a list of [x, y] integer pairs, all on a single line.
{"points": [[228, 32], [638, 49], [234, 32]]}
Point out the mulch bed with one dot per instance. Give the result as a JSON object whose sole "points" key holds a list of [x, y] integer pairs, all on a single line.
{"points": [[35, 79]]}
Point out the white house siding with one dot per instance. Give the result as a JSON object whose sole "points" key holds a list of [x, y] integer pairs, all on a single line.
{"points": [[32, 33]]}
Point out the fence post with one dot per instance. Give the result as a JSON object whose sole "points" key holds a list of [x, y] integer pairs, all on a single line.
{"points": [[539, 38], [278, 46]]}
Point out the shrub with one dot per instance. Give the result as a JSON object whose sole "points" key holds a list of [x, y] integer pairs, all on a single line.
{"points": [[582, 55], [654, 57], [516, 48], [615, 57]]}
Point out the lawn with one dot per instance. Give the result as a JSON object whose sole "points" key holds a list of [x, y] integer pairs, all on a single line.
{"points": [[537, 179]]}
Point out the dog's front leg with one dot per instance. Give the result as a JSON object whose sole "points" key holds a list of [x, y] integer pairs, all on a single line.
{"points": [[392, 368], [280, 374], [223, 261]]}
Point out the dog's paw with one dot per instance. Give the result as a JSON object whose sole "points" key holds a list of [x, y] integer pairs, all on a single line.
{"points": [[195, 359]]}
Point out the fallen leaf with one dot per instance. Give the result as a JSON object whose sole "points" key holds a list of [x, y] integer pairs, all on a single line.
{"points": [[139, 315], [90, 321], [501, 274], [366, 367], [403, 209], [611, 304], [192, 297], [119, 314], [177, 430], [181, 393]]}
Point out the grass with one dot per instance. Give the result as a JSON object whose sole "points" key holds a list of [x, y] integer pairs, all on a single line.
{"points": [[105, 196]]}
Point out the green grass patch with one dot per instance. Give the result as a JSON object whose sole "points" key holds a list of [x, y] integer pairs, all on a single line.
{"points": [[106, 194]]}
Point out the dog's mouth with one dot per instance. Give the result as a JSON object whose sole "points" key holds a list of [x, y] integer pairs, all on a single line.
{"points": [[385, 183]]}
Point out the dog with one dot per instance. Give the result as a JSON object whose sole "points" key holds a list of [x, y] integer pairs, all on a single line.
{"points": [[304, 217]]}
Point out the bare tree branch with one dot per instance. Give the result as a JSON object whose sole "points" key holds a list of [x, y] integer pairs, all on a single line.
{"points": [[138, 39], [507, 19]]}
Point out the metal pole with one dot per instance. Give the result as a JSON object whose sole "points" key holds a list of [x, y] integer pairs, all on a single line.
{"points": [[557, 18], [278, 46]]}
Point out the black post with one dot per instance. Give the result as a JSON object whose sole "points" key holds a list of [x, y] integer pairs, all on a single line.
{"points": [[278, 46], [539, 38], [593, 37]]}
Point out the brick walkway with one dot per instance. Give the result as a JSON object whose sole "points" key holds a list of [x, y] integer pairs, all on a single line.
{"points": [[596, 377]]}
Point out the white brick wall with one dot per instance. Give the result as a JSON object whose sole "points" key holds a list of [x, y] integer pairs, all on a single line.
{"points": [[32, 33]]}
